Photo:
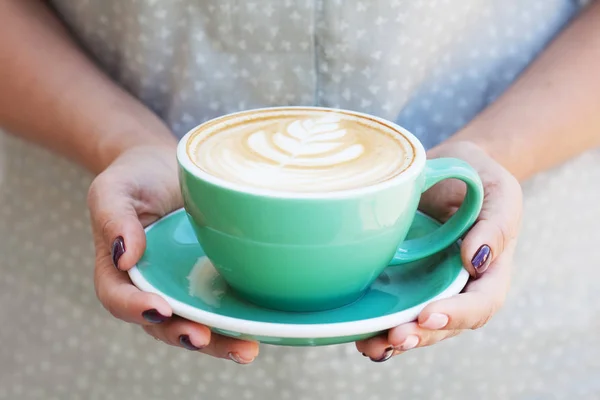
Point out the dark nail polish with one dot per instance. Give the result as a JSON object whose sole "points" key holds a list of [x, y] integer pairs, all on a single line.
{"points": [[387, 354], [185, 341], [118, 249], [482, 258], [154, 316]]}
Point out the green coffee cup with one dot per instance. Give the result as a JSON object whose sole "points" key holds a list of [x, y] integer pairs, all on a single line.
{"points": [[318, 250]]}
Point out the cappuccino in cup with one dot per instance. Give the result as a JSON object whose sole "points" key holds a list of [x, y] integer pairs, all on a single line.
{"points": [[301, 150], [301, 208]]}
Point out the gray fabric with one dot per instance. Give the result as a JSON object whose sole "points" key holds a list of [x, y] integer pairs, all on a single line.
{"points": [[429, 65]]}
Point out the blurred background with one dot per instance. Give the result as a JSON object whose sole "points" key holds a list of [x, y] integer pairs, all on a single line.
{"points": [[57, 342]]}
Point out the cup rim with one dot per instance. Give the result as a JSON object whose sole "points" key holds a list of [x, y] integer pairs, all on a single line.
{"points": [[410, 173]]}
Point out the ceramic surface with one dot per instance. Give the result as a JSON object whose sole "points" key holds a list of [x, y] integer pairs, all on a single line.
{"points": [[175, 266], [317, 251]]}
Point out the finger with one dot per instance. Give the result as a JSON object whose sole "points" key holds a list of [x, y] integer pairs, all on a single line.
{"points": [[182, 333], [376, 348], [476, 306], [401, 339], [497, 225], [192, 336], [410, 336], [115, 219], [240, 351], [125, 301], [443, 199]]}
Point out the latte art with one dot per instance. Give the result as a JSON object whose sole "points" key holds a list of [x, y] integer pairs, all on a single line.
{"points": [[300, 150], [307, 143]]}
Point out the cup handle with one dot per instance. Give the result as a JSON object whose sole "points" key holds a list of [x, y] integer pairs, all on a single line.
{"points": [[437, 170]]}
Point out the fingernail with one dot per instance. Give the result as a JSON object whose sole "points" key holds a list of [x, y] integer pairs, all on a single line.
{"points": [[410, 342], [235, 357], [387, 354], [185, 341], [435, 321], [154, 316], [482, 258], [117, 250]]}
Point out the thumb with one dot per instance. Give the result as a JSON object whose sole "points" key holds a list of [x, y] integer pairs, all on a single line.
{"points": [[497, 226], [115, 221]]}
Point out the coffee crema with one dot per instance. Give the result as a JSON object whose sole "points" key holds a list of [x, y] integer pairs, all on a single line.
{"points": [[300, 150]]}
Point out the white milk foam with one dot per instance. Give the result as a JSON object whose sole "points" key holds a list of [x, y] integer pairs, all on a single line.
{"points": [[300, 150]]}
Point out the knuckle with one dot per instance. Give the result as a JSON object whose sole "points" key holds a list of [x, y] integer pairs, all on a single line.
{"points": [[112, 306], [96, 189], [485, 317], [493, 186], [504, 235], [107, 226], [500, 231], [99, 215], [482, 321], [171, 334], [92, 194], [431, 338], [105, 200], [509, 232], [106, 295], [99, 274], [92, 199], [151, 330]]}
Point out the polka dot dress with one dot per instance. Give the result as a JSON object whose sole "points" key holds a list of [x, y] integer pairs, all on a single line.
{"points": [[429, 65]]}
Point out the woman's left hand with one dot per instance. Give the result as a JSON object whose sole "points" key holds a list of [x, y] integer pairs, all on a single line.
{"points": [[487, 253]]}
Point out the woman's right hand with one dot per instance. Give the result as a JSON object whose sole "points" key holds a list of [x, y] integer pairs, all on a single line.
{"points": [[138, 188]]}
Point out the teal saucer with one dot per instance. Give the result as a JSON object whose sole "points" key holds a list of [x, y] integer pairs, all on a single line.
{"points": [[175, 267]]}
